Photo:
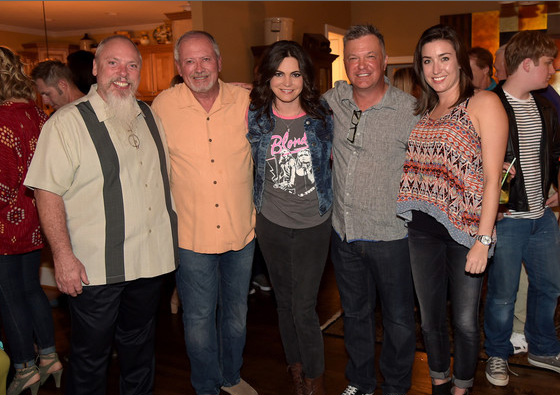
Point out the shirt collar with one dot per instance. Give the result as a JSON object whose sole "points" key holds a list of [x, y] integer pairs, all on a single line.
{"points": [[186, 98]]}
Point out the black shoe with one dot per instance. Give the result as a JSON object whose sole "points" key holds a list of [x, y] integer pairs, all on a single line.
{"points": [[441, 389]]}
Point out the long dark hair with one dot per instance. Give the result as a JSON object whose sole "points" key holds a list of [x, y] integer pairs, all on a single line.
{"points": [[428, 99], [262, 96]]}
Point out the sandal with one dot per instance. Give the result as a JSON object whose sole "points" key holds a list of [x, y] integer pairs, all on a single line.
{"points": [[44, 369], [25, 378]]}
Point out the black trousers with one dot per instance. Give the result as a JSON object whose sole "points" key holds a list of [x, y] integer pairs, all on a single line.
{"points": [[296, 259], [123, 312]]}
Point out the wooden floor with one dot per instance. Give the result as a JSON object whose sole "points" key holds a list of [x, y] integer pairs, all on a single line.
{"points": [[264, 365]]}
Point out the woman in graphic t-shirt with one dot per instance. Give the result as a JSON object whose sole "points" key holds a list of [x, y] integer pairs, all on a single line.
{"points": [[290, 131]]}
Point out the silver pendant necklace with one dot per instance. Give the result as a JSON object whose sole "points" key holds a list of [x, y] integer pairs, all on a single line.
{"points": [[287, 125]]}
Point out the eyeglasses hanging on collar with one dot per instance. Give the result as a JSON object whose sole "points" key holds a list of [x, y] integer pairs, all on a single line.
{"points": [[354, 121]]}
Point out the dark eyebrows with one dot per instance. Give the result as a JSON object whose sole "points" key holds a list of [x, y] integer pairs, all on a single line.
{"points": [[438, 56]]}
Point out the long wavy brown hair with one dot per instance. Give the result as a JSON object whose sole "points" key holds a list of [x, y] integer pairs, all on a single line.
{"points": [[14, 83]]}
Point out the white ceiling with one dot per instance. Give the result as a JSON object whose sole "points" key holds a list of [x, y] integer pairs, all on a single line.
{"points": [[68, 18]]}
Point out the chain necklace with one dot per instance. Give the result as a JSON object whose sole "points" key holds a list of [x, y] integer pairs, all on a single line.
{"points": [[287, 125]]}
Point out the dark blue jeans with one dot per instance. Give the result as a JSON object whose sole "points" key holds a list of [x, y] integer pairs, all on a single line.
{"points": [[25, 309], [213, 289], [537, 243], [296, 259], [362, 269], [438, 268]]}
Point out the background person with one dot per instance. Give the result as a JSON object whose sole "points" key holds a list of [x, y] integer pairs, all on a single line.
{"points": [[500, 64], [528, 232], [405, 80], [80, 64], [54, 83], [449, 193], [26, 313], [481, 62], [287, 119]]}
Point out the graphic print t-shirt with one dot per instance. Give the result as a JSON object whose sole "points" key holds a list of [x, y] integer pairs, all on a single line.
{"points": [[289, 197]]}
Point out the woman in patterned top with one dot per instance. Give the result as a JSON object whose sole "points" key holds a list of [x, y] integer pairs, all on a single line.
{"points": [[290, 131], [26, 313], [449, 192]]}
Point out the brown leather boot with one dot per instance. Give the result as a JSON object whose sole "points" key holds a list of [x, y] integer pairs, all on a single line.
{"points": [[296, 375], [315, 386]]}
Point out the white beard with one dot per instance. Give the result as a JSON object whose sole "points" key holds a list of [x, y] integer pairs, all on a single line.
{"points": [[123, 111]]}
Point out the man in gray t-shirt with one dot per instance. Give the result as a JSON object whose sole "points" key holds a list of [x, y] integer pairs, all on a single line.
{"points": [[369, 248]]}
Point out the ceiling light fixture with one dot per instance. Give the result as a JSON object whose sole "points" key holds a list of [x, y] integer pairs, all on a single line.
{"points": [[45, 27]]}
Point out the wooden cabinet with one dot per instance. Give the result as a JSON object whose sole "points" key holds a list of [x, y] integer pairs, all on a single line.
{"points": [[34, 53], [158, 68]]}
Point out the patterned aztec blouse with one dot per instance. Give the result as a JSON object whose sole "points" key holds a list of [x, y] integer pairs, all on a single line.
{"points": [[20, 124], [442, 174]]}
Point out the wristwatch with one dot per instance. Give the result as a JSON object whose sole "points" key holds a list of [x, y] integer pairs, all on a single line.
{"points": [[485, 240]]}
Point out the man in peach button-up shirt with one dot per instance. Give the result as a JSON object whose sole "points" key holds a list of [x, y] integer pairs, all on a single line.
{"points": [[211, 182]]}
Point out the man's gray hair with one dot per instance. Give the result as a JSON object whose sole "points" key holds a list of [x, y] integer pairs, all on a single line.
{"points": [[192, 34], [359, 31]]}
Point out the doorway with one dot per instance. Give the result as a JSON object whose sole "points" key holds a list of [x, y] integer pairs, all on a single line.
{"points": [[335, 35]]}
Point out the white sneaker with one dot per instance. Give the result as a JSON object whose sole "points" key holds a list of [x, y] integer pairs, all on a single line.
{"points": [[519, 343]]}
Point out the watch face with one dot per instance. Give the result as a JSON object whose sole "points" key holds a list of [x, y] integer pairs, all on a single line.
{"points": [[486, 240]]}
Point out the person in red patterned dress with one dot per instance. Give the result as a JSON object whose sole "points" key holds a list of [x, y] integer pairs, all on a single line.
{"points": [[26, 313]]}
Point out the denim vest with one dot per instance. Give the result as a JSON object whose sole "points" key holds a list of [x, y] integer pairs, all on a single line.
{"points": [[319, 139]]}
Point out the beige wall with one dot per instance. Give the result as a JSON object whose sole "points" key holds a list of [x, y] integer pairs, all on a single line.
{"points": [[239, 25], [14, 40], [402, 22]]}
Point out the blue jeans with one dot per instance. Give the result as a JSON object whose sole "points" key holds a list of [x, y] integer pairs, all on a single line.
{"points": [[438, 268], [25, 309], [362, 269], [213, 289], [537, 243]]}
